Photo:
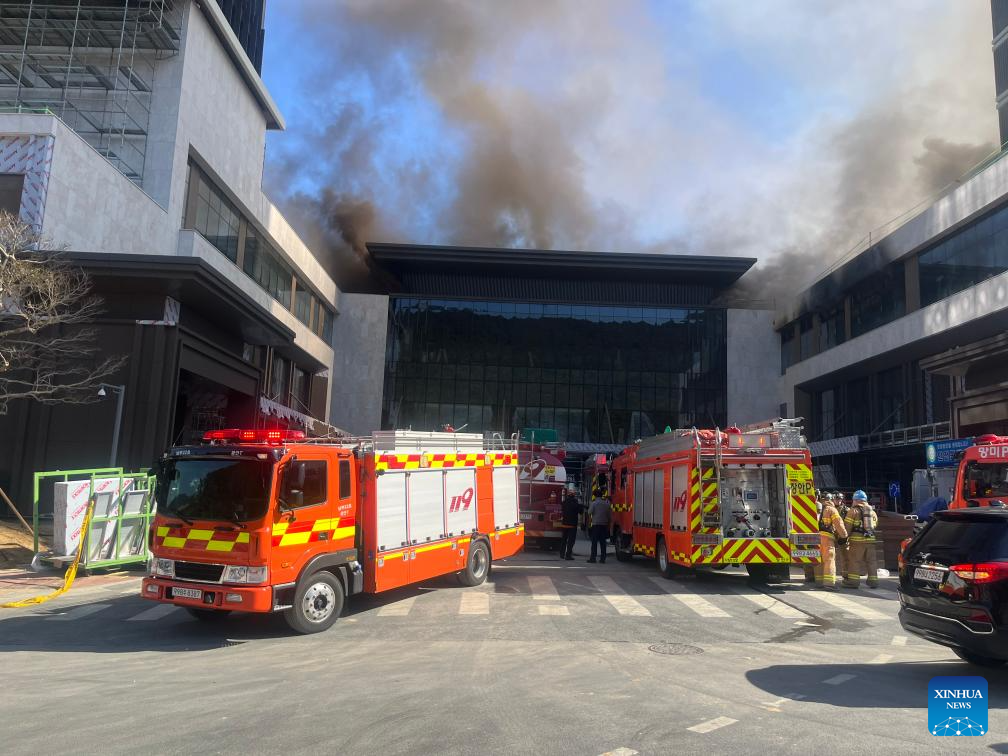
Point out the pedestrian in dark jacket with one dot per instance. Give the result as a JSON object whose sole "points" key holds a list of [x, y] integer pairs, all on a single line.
{"points": [[571, 510]]}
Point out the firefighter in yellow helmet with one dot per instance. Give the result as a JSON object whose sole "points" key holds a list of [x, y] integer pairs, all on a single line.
{"points": [[831, 532], [810, 569], [861, 522]]}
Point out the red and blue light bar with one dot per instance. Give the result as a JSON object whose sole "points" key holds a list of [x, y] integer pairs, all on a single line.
{"points": [[254, 436]]}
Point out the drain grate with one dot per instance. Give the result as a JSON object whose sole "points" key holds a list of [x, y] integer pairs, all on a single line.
{"points": [[675, 649]]}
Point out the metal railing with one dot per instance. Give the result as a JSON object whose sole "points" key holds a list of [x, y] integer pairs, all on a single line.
{"points": [[905, 436]]}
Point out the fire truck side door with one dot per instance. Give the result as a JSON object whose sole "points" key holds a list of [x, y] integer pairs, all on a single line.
{"points": [[305, 527]]}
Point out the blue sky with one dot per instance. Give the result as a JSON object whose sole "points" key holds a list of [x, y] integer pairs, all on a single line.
{"points": [[710, 126]]}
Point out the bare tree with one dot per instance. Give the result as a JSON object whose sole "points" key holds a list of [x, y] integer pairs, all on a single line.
{"points": [[47, 353]]}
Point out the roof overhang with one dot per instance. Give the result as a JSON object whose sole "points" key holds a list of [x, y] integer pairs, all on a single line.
{"points": [[220, 25], [538, 263]]}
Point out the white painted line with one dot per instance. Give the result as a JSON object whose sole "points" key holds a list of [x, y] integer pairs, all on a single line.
{"points": [[847, 605], [712, 724], [621, 751], [616, 596], [77, 612], [697, 604], [881, 659], [154, 613], [475, 602], [542, 588], [899, 640], [553, 609], [839, 679], [772, 605], [398, 609]]}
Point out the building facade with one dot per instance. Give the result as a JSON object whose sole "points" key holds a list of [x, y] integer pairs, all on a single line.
{"points": [[602, 348], [904, 343], [132, 136]]}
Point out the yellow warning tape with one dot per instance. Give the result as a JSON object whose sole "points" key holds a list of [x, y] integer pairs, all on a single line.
{"points": [[68, 576]]}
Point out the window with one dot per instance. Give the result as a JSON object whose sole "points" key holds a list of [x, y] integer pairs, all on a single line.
{"points": [[11, 187], [787, 348], [279, 379], [263, 265], [972, 255], [300, 388], [302, 302], [878, 300], [304, 483], [831, 329], [805, 343], [214, 216], [344, 479], [827, 414], [893, 400]]}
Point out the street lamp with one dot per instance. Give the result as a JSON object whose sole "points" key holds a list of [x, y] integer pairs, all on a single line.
{"points": [[120, 392]]}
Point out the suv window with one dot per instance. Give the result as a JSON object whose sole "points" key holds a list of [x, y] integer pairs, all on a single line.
{"points": [[965, 539]]}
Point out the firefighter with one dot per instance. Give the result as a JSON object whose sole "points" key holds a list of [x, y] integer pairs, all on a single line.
{"points": [[841, 544], [860, 522], [599, 514], [571, 509], [832, 532], [810, 569]]}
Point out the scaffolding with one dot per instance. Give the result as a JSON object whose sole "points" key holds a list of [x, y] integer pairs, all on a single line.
{"points": [[91, 63]]}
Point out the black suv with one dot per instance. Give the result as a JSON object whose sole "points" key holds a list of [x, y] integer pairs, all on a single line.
{"points": [[954, 584]]}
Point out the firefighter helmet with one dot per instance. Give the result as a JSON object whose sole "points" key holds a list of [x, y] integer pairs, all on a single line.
{"points": [[860, 495]]}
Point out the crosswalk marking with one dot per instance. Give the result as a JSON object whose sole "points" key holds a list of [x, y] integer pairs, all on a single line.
{"points": [[154, 613], [621, 602], [542, 588], [475, 602], [553, 610], [899, 640], [77, 612], [772, 605], [846, 604], [691, 601], [398, 609], [881, 659], [712, 724]]}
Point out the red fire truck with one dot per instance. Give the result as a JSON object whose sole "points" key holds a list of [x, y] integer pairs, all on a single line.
{"points": [[541, 473], [268, 521], [710, 498], [982, 479]]}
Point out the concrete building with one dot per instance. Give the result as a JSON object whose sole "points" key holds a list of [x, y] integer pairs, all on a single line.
{"points": [[603, 348], [132, 135], [904, 344]]}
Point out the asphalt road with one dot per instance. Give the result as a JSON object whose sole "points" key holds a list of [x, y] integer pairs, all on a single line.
{"points": [[547, 657]]}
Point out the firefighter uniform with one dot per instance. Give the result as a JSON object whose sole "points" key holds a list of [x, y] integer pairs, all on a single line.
{"points": [[841, 545], [831, 530], [810, 569], [861, 522]]}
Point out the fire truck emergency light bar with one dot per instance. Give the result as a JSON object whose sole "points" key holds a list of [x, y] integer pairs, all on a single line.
{"points": [[748, 440], [260, 436]]}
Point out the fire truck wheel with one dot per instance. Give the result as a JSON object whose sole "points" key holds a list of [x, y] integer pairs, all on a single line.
{"points": [[622, 554], [318, 603], [208, 615], [478, 566], [665, 567]]}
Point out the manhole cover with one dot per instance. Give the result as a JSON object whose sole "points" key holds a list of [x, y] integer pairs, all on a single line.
{"points": [[675, 649]]}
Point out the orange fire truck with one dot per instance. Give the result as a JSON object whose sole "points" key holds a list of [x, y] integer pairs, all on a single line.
{"points": [[710, 498], [982, 479], [268, 521]]}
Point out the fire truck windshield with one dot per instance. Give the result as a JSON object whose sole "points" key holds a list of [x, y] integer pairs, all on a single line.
{"points": [[232, 490], [984, 480]]}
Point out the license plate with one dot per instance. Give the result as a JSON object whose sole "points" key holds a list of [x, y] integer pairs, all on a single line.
{"points": [[930, 576], [527, 515], [189, 593], [805, 553]]}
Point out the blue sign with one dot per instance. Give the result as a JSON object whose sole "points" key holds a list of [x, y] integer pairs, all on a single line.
{"points": [[944, 453], [894, 489], [957, 706]]}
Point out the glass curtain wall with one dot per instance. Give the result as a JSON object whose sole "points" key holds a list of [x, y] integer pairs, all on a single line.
{"points": [[601, 374]]}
